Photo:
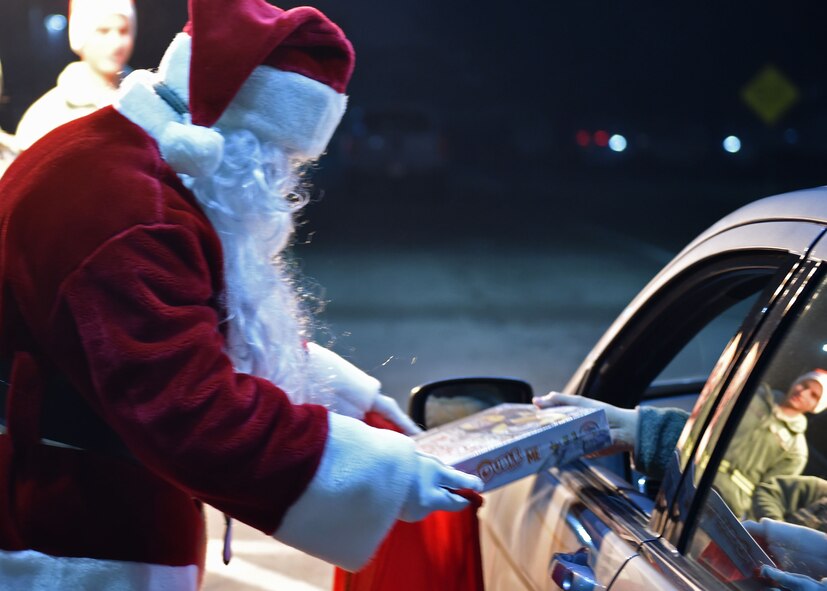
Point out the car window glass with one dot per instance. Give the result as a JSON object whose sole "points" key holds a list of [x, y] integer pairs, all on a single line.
{"points": [[707, 353], [669, 348], [768, 503], [697, 358]]}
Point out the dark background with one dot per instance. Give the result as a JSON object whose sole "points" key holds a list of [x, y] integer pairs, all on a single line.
{"points": [[464, 116]]}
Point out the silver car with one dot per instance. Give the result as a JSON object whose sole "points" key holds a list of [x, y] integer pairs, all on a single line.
{"points": [[740, 310]]}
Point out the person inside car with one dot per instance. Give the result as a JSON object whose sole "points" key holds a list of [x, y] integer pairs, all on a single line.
{"points": [[770, 439]]}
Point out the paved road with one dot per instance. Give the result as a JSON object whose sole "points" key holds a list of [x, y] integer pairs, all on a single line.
{"points": [[411, 317], [259, 563]]}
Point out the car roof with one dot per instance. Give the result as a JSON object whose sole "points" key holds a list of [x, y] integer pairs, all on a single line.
{"points": [[807, 205]]}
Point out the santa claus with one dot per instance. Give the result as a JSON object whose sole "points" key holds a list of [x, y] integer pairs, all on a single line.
{"points": [[154, 353]]}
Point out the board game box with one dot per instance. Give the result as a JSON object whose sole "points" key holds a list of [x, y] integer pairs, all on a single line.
{"points": [[509, 441]]}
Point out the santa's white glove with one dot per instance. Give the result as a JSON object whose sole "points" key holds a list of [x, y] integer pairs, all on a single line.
{"points": [[388, 408], [431, 489], [793, 547]]}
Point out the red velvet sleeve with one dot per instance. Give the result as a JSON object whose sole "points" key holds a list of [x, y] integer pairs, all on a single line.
{"points": [[148, 356]]}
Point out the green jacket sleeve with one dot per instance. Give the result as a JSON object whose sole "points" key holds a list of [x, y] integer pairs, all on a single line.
{"points": [[658, 433], [787, 498]]}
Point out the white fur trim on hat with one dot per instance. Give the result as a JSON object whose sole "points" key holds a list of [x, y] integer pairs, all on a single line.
{"points": [[86, 15], [819, 376], [295, 112]]}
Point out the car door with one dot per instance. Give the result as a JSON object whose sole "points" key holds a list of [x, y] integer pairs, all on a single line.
{"points": [[708, 532], [593, 518]]}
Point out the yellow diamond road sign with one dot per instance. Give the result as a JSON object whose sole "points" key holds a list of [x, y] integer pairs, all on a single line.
{"points": [[770, 94]]}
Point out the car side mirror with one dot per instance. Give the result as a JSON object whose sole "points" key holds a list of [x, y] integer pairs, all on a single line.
{"points": [[434, 404]]}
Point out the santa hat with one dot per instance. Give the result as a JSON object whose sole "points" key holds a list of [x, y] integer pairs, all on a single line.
{"points": [[819, 376], [86, 15], [248, 64]]}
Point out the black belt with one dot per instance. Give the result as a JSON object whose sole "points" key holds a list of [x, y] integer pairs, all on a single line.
{"points": [[66, 417], [738, 478]]}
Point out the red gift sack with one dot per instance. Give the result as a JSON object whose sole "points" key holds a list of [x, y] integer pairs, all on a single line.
{"points": [[440, 552]]}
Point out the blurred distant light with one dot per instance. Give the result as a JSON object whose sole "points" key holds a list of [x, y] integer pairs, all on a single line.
{"points": [[824, 347], [617, 143], [791, 136], [55, 23], [601, 138], [732, 144], [583, 138]]}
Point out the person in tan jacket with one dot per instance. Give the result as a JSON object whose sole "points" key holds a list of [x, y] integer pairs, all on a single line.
{"points": [[102, 34], [8, 143]]}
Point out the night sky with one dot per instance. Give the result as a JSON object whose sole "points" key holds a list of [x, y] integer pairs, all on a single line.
{"points": [[500, 91]]}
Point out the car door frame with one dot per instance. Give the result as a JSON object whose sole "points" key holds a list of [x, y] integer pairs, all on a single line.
{"points": [[784, 243], [684, 489], [776, 247], [665, 555]]}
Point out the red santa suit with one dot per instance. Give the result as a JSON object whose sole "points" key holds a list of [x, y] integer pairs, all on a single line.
{"points": [[124, 413]]}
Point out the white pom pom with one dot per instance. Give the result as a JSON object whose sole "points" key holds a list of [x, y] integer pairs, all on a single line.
{"points": [[191, 149]]}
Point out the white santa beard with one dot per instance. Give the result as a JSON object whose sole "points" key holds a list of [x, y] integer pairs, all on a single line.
{"points": [[248, 202]]}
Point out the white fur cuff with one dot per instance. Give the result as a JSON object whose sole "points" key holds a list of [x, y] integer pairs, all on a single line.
{"points": [[355, 496]]}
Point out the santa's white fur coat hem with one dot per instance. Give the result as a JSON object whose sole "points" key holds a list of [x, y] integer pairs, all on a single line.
{"points": [[355, 496], [35, 571]]}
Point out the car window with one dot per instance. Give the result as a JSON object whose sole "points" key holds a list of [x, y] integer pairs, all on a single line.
{"points": [[679, 384], [768, 501], [669, 350], [670, 347], [695, 361]]}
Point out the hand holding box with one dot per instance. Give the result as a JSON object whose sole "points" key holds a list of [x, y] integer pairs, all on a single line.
{"points": [[510, 441]]}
